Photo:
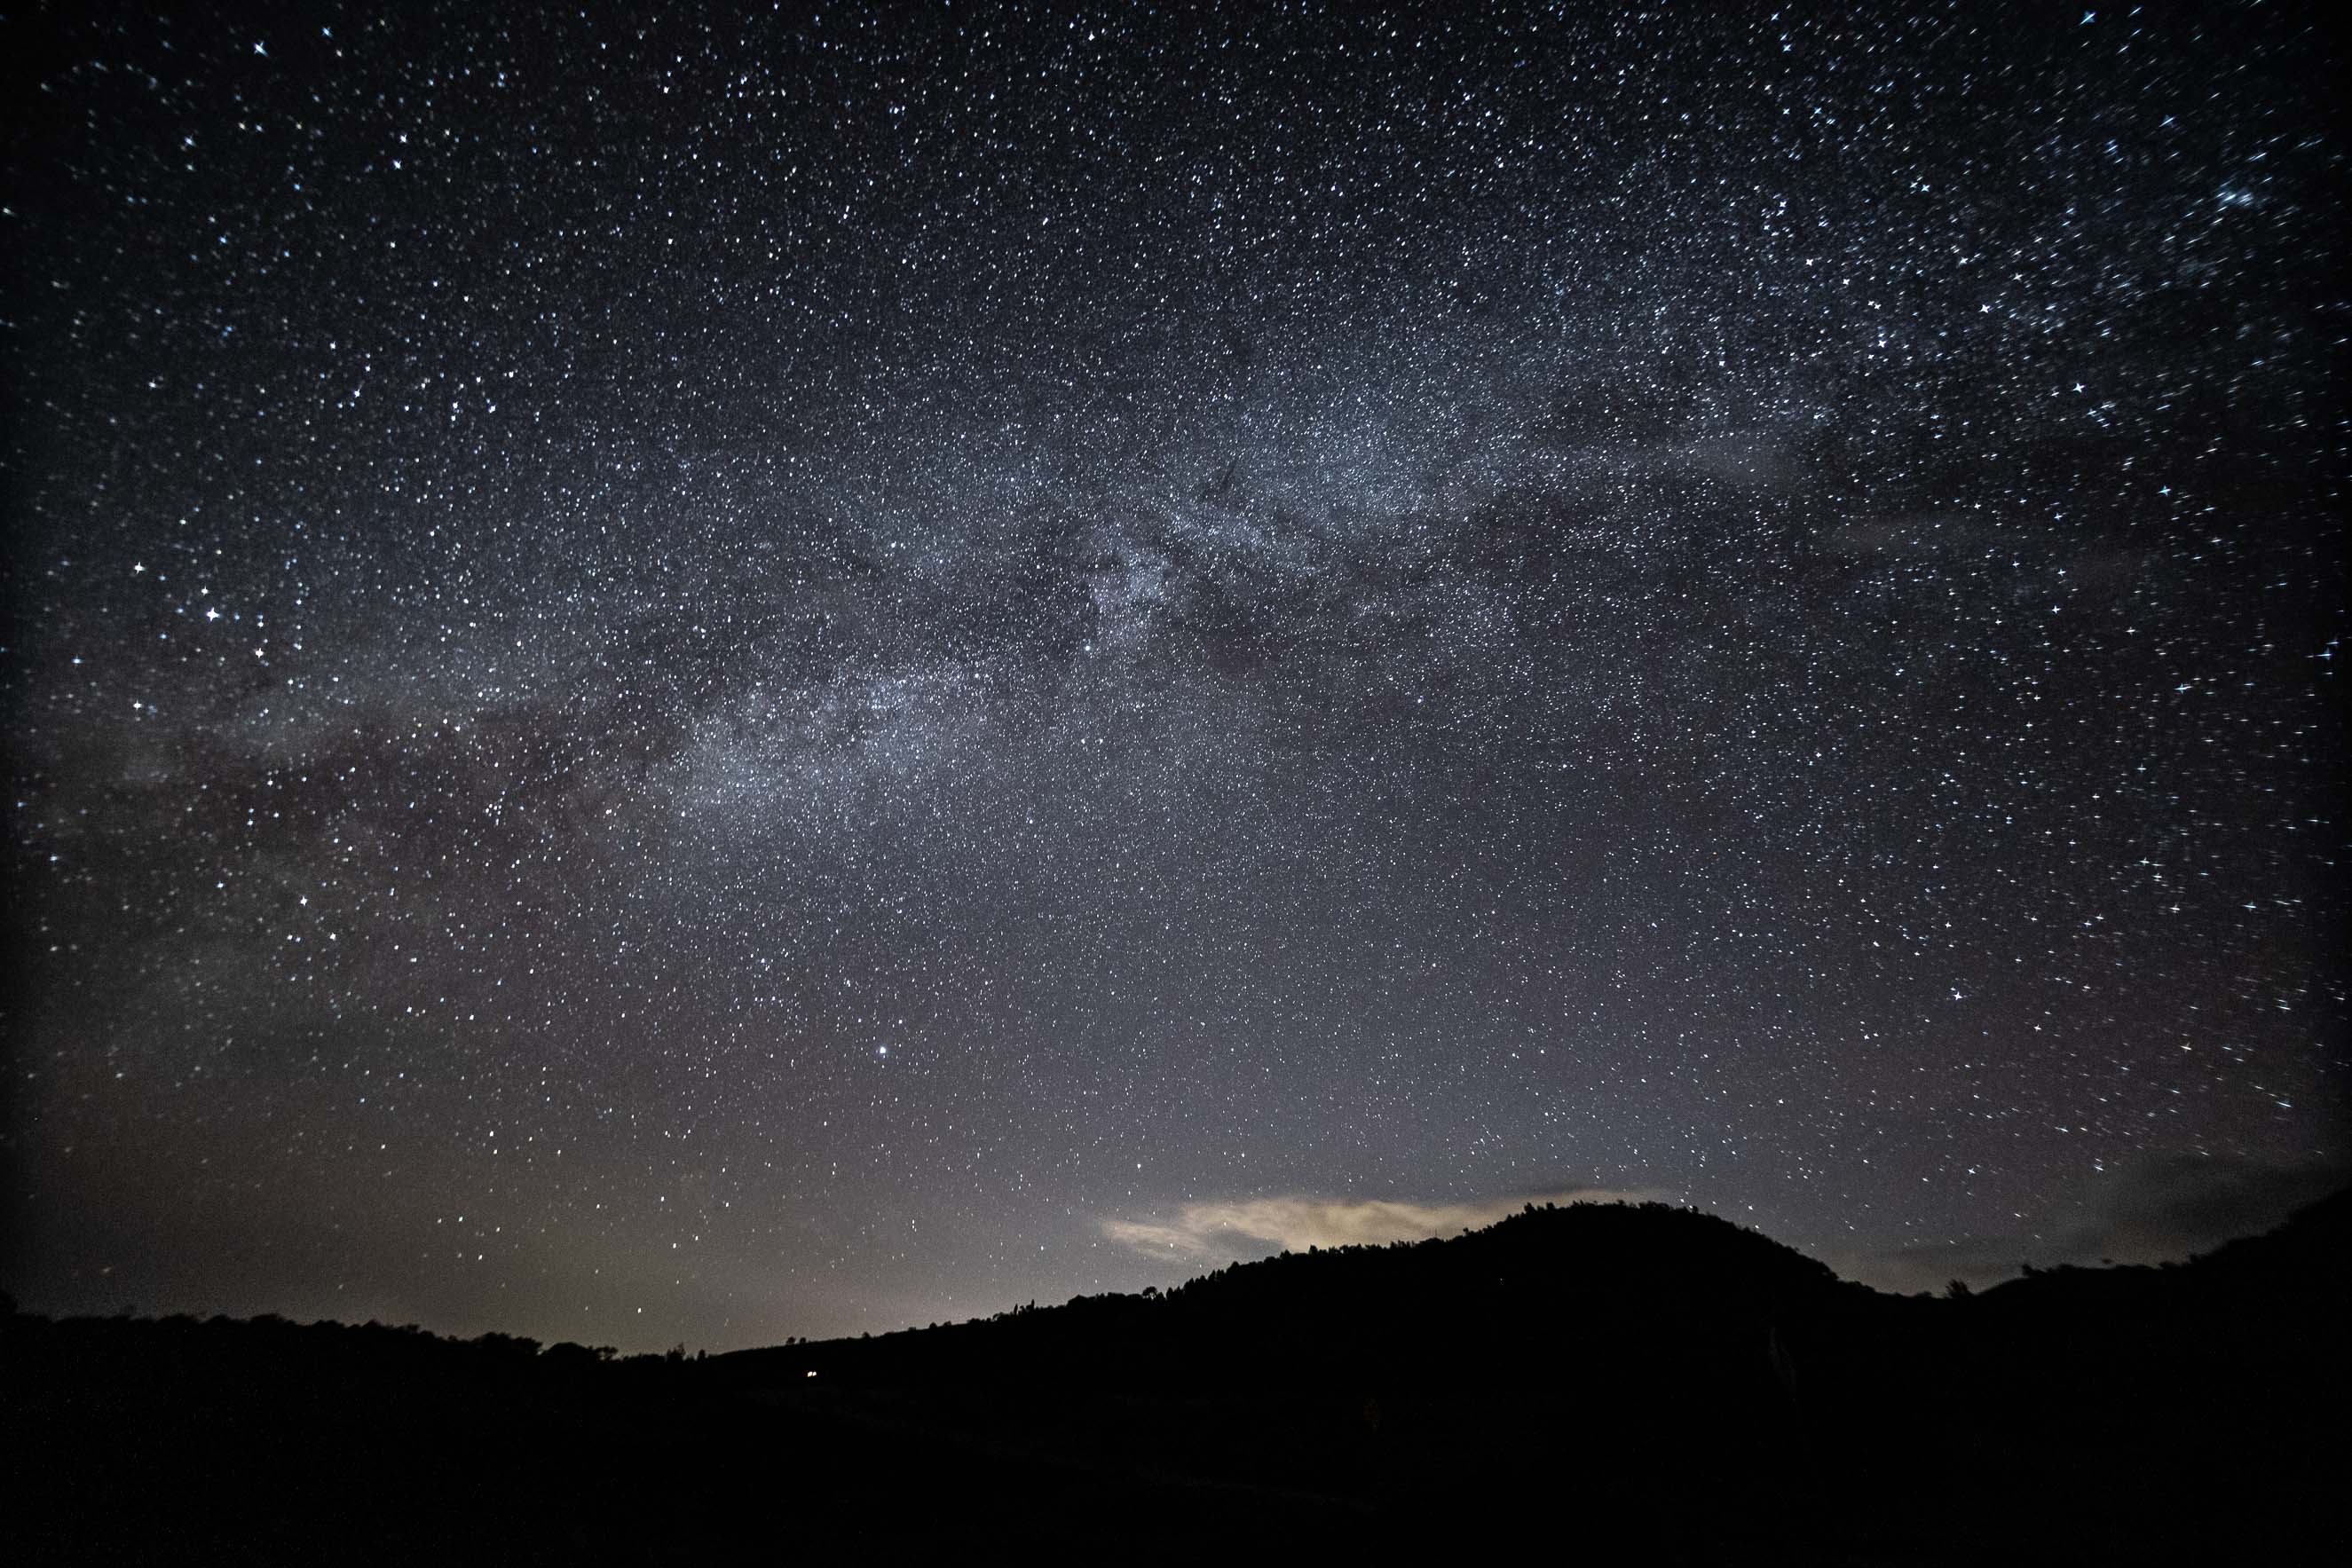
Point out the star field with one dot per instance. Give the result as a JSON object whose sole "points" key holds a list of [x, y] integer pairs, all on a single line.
{"points": [[791, 672]]}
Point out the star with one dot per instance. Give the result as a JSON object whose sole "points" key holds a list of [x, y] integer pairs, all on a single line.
{"points": [[1345, 618]]}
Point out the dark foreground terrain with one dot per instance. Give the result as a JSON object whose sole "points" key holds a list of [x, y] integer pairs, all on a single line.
{"points": [[1631, 1384]]}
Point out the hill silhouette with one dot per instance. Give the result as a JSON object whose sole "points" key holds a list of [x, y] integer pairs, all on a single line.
{"points": [[1640, 1381]]}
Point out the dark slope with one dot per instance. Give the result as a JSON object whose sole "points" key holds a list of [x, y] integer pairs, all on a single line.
{"points": [[1583, 1355], [1410, 1310], [1637, 1383], [1666, 1373]]}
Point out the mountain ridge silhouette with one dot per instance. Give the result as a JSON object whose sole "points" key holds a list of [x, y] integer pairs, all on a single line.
{"points": [[1647, 1382]]}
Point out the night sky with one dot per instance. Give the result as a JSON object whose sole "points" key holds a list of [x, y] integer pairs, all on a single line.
{"points": [[786, 674]]}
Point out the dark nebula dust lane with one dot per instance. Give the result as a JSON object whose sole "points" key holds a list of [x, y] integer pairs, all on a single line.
{"points": [[724, 677]]}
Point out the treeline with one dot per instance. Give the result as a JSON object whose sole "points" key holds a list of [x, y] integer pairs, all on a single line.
{"points": [[1663, 1364], [268, 1333], [1661, 1383], [1400, 1313]]}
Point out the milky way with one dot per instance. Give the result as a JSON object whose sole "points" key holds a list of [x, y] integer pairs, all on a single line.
{"points": [[729, 678]]}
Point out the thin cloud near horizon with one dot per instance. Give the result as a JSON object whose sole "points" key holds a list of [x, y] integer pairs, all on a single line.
{"points": [[2157, 1208], [1202, 1230]]}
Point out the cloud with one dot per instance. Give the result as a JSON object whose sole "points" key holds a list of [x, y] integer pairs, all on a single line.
{"points": [[2154, 1211], [2171, 1206], [1205, 1230]]}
